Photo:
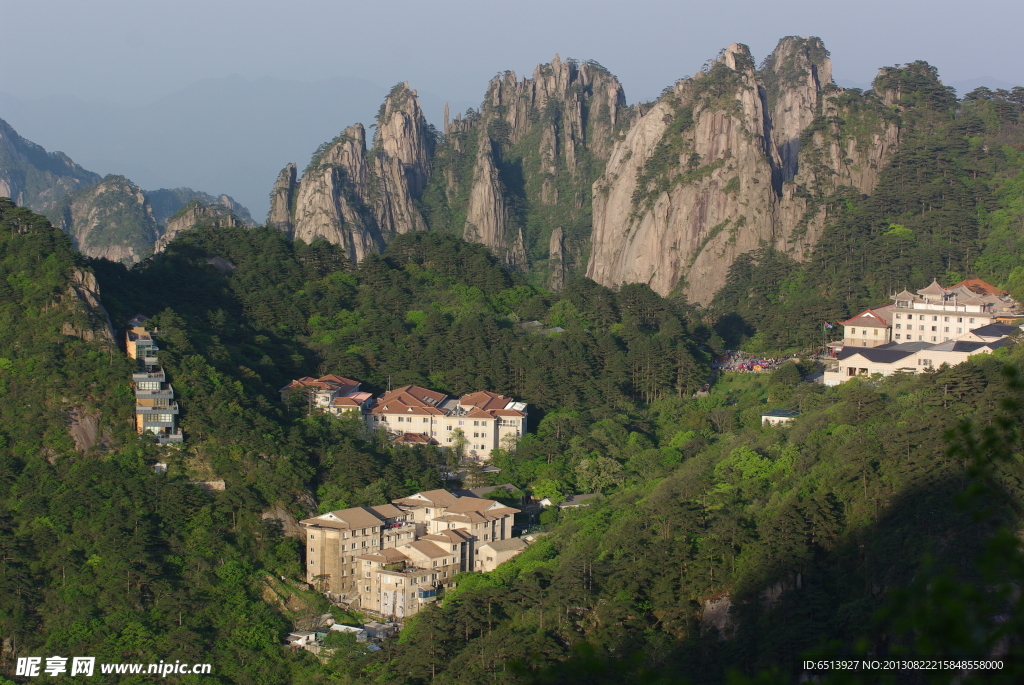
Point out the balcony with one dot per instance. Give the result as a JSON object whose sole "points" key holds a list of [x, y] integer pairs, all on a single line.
{"points": [[154, 375], [171, 408], [165, 394], [170, 438]]}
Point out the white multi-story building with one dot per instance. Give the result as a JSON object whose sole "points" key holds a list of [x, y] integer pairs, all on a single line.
{"points": [[917, 332]]}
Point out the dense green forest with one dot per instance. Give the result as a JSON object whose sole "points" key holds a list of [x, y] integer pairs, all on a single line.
{"points": [[949, 205], [804, 531]]}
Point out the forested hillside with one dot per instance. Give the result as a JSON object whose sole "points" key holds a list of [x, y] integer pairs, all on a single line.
{"points": [[947, 206], [803, 531]]}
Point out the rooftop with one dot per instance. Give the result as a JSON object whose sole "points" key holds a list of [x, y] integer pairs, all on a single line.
{"points": [[782, 413], [578, 500], [505, 545]]}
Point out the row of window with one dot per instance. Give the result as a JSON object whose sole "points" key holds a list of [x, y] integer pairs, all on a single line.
{"points": [[923, 317], [910, 336], [356, 532]]}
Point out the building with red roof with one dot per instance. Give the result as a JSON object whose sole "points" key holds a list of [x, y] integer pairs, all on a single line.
{"points": [[485, 418]]}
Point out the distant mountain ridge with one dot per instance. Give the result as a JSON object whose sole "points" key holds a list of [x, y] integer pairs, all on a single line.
{"points": [[108, 217]]}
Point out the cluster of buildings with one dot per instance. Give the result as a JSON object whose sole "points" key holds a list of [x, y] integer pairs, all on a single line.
{"points": [[917, 332], [390, 560], [156, 411], [414, 415]]}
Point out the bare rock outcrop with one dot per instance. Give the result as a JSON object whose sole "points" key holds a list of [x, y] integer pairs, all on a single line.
{"points": [[537, 143], [112, 219], [729, 161], [690, 187], [87, 317], [556, 260], [360, 199], [198, 213], [487, 214], [332, 200], [281, 198], [403, 148]]}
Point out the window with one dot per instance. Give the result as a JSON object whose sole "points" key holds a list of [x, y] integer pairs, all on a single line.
{"points": [[899, 326], [483, 435], [310, 536], [946, 319], [935, 318], [970, 320], [910, 316], [959, 330], [476, 423], [934, 339], [401, 419], [454, 547], [935, 328], [920, 328], [899, 316], [148, 385], [448, 428], [312, 561], [448, 439], [367, 573], [897, 336], [426, 420], [311, 549], [461, 422], [367, 588]]}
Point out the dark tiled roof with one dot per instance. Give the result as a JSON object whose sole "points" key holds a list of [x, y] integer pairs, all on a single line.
{"points": [[994, 329], [875, 354], [782, 413]]}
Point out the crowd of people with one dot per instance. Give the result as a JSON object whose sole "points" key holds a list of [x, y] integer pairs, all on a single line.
{"points": [[735, 360]]}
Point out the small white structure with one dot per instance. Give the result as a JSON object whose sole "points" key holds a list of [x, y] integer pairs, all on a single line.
{"points": [[776, 417], [490, 555]]}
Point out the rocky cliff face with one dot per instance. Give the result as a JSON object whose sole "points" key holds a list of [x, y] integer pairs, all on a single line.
{"points": [[534, 150], [89, 320], [112, 219], [358, 198], [402, 151], [35, 178], [333, 198], [728, 161], [281, 198], [167, 202], [199, 213]]}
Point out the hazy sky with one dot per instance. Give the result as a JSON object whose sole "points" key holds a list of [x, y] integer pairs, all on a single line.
{"points": [[138, 50], [219, 95]]}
